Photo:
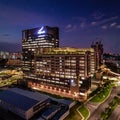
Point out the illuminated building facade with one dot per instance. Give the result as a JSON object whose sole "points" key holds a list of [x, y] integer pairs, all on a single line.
{"points": [[14, 59], [65, 70], [3, 58], [43, 37], [4, 55], [62, 71]]}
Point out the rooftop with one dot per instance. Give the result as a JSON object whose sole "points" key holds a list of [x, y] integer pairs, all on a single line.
{"points": [[50, 111], [17, 100], [33, 95], [64, 50]]}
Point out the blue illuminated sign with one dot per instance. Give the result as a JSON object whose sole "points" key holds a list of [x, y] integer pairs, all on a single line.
{"points": [[41, 30]]}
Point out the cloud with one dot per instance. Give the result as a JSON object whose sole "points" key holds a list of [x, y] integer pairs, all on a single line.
{"points": [[113, 24], [93, 23], [81, 21], [86, 23], [70, 27], [82, 24], [105, 23], [78, 23], [98, 15], [109, 19], [104, 27], [74, 26], [118, 26]]}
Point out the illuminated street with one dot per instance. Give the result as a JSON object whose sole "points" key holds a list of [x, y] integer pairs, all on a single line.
{"points": [[95, 115]]}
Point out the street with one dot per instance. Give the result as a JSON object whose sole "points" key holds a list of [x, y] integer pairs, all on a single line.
{"points": [[115, 114], [98, 109]]}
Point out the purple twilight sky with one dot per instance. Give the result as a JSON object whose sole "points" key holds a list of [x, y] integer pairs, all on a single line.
{"points": [[80, 21]]}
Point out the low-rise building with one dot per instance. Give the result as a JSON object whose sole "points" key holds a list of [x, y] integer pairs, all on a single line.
{"points": [[22, 105]]}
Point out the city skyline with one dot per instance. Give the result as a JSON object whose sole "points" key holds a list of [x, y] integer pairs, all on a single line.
{"points": [[80, 23]]}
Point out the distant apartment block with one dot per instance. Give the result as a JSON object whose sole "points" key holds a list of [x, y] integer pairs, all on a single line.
{"points": [[15, 59], [4, 55], [10, 59], [3, 58]]}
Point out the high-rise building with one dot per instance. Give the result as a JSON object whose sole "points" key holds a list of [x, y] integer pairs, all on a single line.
{"points": [[98, 47], [63, 70], [43, 37]]}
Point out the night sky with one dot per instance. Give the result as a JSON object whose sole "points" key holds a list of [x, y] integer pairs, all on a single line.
{"points": [[80, 21]]}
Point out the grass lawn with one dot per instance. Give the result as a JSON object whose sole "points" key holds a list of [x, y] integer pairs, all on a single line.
{"points": [[74, 115], [100, 97], [84, 111]]}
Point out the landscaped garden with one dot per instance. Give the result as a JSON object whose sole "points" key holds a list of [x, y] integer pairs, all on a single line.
{"points": [[74, 115], [102, 94], [84, 111]]}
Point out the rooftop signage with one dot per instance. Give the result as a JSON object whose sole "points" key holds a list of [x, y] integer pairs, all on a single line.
{"points": [[41, 30]]}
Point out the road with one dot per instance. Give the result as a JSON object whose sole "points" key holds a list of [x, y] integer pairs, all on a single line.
{"points": [[115, 114], [95, 114]]}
